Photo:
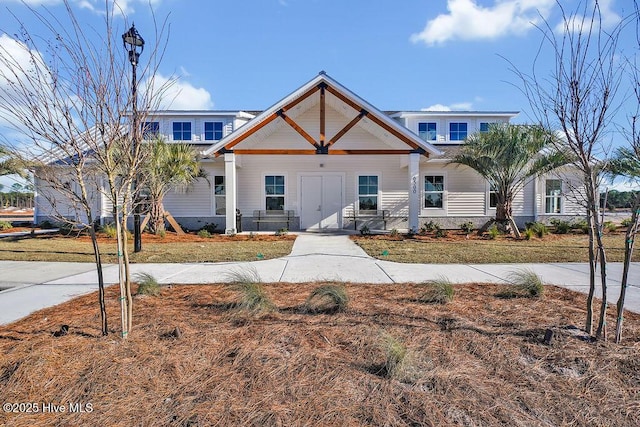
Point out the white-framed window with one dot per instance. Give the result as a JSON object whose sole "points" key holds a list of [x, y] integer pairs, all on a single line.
{"points": [[428, 131], [219, 197], [213, 131], [553, 196], [182, 131], [492, 196], [274, 190], [434, 191], [368, 186], [458, 131]]}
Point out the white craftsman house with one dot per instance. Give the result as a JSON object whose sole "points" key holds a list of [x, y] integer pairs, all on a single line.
{"points": [[323, 158]]}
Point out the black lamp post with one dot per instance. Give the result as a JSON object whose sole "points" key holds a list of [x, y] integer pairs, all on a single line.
{"points": [[134, 45]]}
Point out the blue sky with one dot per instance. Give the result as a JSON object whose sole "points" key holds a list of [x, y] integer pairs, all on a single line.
{"points": [[400, 55]]}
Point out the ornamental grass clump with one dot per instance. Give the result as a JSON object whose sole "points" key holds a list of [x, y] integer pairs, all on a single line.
{"points": [[397, 357], [525, 283], [327, 299], [147, 284], [251, 294], [437, 291]]}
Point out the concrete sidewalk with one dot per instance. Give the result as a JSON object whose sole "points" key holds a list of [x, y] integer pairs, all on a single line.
{"points": [[314, 257]]}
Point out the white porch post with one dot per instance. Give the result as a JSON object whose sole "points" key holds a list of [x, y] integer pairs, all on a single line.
{"points": [[230, 192], [414, 191]]}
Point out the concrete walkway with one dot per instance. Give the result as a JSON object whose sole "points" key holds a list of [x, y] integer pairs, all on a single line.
{"points": [[314, 257]]}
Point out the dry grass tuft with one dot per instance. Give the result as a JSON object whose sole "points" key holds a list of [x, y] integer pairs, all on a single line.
{"points": [[479, 360], [252, 297], [437, 291], [327, 299], [147, 284]]}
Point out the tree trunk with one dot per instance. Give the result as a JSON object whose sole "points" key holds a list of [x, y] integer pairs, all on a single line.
{"points": [[127, 274], [628, 252], [98, 260], [602, 323], [121, 273], [156, 214], [592, 275]]}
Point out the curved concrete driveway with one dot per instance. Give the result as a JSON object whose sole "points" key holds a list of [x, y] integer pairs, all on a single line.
{"points": [[314, 257]]}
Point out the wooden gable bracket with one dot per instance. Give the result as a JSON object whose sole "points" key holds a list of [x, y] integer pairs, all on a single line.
{"points": [[322, 87], [346, 128], [297, 128], [376, 120]]}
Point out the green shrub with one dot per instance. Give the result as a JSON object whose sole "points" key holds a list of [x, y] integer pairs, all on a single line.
{"points": [[493, 232], [538, 228], [428, 227], [364, 231], [251, 294], [327, 299], [466, 227], [5, 225], [581, 225], [528, 234], [394, 232], [46, 225], [524, 283], [147, 284], [210, 227], [161, 233], [609, 226], [436, 291], [109, 230], [68, 229], [204, 234], [626, 222], [440, 232], [281, 232], [560, 226]]}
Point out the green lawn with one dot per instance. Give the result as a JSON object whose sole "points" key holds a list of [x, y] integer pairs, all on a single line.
{"points": [[567, 248], [199, 250]]}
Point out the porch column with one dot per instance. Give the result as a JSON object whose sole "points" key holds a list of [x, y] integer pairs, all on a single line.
{"points": [[230, 192], [414, 191]]}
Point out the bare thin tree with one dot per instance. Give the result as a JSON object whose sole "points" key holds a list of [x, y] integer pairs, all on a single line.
{"points": [[67, 92], [578, 99]]}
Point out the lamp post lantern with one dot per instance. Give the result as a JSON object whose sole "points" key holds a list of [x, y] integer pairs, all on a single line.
{"points": [[134, 45]]}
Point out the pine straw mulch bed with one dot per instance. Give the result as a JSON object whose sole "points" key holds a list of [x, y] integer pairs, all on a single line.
{"points": [[479, 360]]}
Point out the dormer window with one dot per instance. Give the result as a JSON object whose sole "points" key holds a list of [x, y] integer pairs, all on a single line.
{"points": [[427, 131], [182, 131], [213, 131], [457, 131]]}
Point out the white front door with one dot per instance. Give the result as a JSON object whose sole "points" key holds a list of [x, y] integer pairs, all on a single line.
{"points": [[321, 202]]}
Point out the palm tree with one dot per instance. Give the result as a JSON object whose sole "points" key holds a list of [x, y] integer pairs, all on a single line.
{"points": [[508, 156], [10, 165], [167, 166]]}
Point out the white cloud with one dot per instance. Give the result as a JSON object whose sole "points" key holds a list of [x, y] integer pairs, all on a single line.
{"points": [[20, 69], [176, 94], [459, 106], [576, 22], [467, 20]]}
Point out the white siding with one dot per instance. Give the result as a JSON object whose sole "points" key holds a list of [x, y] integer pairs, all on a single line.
{"points": [[197, 199], [392, 187], [466, 191]]}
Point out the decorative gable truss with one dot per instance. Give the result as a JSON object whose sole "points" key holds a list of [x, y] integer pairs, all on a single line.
{"points": [[322, 94]]}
